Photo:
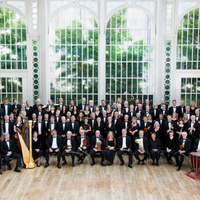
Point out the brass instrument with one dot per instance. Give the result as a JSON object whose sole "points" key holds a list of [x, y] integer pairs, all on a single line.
{"points": [[26, 151], [57, 106], [71, 108], [15, 110], [139, 142]]}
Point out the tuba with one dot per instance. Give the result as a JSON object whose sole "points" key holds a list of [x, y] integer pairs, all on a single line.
{"points": [[25, 139]]}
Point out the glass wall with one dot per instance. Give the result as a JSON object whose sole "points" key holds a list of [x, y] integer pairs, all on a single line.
{"points": [[129, 55], [73, 56]]}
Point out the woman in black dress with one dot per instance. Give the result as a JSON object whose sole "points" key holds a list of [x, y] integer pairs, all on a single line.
{"points": [[36, 148], [87, 112], [109, 111], [192, 108], [110, 126], [63, 112], [133, 131], [75, 111], [185, 120], [170, 147], [85, 126], [180, 129], [80, 118], [159, 132], [154, 146], [52, 111], [97, 112], [99, 126], [109, 151]]}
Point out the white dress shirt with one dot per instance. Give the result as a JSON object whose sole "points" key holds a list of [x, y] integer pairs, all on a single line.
{"points": [[8, 143], [39, 128], [54, 143], [199, 145], [6, 109], [124, 142], [82, 138], [6, 127], [69, 144]]}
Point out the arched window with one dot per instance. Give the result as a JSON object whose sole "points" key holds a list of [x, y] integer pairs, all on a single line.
{"points": [[129, 55], [74, 56], [188, 55], [13, 52]]}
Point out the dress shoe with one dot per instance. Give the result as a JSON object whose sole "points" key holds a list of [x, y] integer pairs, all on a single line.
{"points": [[102, 164], [9, 166], [130, 166], [58, 165], [170, 162], [1, 172], [17, 170], [64, 163], [178, 168], [138, 162], [176, 165], [143, 162], [79, 159], [47, 164], [93, 163], [122, 163], [157, 164], [153, 163], [73, 165]]}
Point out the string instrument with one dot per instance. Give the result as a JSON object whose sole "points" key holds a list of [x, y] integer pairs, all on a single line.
{"points": [[15, 111], [131, 128], [146, 129], [120, 116], [66, 147], [98, 147], [181, 147], [84, 143], [85, 128]]}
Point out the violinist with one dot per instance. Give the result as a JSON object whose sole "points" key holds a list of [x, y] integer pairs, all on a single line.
{"points": [[146, 127], [97, 143], [184, 148], [126, 123], [124, 145], [83, 144], [99, 126], [69, 147], [63, 127], [133, 131]]}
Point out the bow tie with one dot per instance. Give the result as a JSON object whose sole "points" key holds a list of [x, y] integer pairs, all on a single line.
{"points": [[54, 136], [7, 140]]}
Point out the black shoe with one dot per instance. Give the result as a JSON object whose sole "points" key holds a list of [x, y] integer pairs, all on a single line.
{"points": [[178, 168], [93, 163], [9, 167], [79, 159], [157, 164], [73, 165], [102, 164], [58, 165], [129, 165], [47, 164], [1, 172], [138, 162], [153, 163], [64, 163], [176, 165], [143, 162], [170, 162], [17, 170], [122, 163]]}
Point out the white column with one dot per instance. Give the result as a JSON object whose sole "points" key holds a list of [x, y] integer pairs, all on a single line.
{"points": [[102, 46], [159, 52]]}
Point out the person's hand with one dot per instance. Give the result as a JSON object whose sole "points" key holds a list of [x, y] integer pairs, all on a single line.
{"points": [[37, 150], [95, 150], [56, 150], [50, 150], [79, 149], [62, 136], [84, 148], [128, 150], [121, 149]]}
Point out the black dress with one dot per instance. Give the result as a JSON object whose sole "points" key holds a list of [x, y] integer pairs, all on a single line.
{"points": [[109, 155], [112, 128], [136, 127], [192, 111], [99, 128], [36, 145], [75, 114], [87, 115], [98, 115], [160, 135]]}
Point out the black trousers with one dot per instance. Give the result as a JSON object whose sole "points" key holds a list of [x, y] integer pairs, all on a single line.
{"points": [[64, 153], [93, 154], [168, 155], [15, 156], [180, 162], [155, 155], [47, 155], [129, 153], [137, 153], [82, 155]]}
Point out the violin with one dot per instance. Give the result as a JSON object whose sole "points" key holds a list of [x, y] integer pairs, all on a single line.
{"points": [[131, 128], [98, 147], [84, 143], [85, 128]]}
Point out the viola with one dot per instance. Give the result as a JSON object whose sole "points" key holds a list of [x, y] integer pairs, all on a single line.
{"points": [[84, 143]]}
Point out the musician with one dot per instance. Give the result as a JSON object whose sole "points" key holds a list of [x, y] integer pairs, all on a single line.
{"points": [[192, 108], [12, 119], [1, 112], [197, 145], [126, 124], [164, 111], [97, 112], [162, 101], [103, 105], [7, 108], [139, 110], [119, 102], [117, 125], [99, 126], [114, 106], [131, 112], [124, 145], [24, 117], [97, 139], [155, 148], [92, 122], [139, 120], [52, 111], [8, 126], [180, 128], [29, 109], [146, 112], [184, 148], [61, 103], [52, 124], [46, 123], [54, 145], [82, 105], [146, 127], [141, 146], [75, 111], [109, 126], [34, 119], [63, 127], [18, 124], [8, 151], [57, 117], [104, 118], [36, 148], [170, 147], [70, 107], [82, 149], [120, 112], [192, 130], [197, 114], [109, 151], [109, 111], [182, 108], [87, 111], [187, 112], [155, 111], [137, 102], [64, 110], [69, 147], [74, 126], [170, 125], [35, 107], [126, 109], [91, 106], [23, 109], [174, 108], [39, 111], [49, 104], [68, 118], [133, 131], [86, 127]]}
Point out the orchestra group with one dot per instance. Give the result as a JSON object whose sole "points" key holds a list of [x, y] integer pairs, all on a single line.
{"points": [[131, 128]]}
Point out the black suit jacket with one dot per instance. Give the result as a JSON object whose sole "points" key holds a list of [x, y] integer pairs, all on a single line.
{"points": [[196, 143], [50, 141], [36, 127], [93, 142], [59, 119], [128, 125], [1, 112], [18, 107], [46, 127], [187, 146], [4, 147], [35, 107], [171, 110], [128, 142], [100, 107], [29, 112], [78, 142], [145, 143], [80, 106], [102, 120], [180, 110], [60, 128], [90, 123], [76, 128], [193, 134], [10, 127], [73, 143], [9, 108], [160, 106], [117, 126], [156, 114], [41, 113], [133, 114]]}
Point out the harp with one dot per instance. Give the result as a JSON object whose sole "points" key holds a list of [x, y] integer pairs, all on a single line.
{"points": [[25, 139]]}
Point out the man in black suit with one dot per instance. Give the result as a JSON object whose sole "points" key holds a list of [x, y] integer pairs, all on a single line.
{"points": [[126, 109], [126, 124], [146, 112], [8, 127], [7, 108], [74, 127], [182, 108], [34, 119], [54, 145], [124, 145], [16, 106], [1, 112], [46, 123], [119, 102], [39, 111], [95, 140], [8, 151], [63, 127], [92, 122], [164, 111], [120, 111], [141, 146], [174, 108], [35, 107], [184, 148], [197, 145], [154, 112], [187, 111], [91, 106], [197, 115], [82, 105], [52, 124], [139, 110], [29, 109], [131, 112], [162, 121], [103, 105], [192, 130], [137, 102], [82, 149], [146, 127], [117, 125], [57, 117], [69, 147], [162, 101]]}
